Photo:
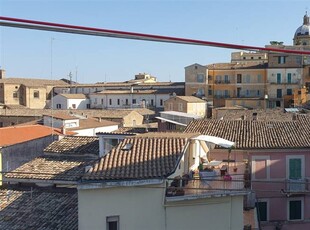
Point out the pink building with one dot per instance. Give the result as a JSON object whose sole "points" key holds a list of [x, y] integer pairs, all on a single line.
{"points": [[278, 153]]}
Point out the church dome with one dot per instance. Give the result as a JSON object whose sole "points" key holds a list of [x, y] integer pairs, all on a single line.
{"points": [[303, 32]]}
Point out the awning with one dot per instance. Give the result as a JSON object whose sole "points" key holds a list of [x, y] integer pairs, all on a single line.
{"points": [[215, 140], [170, 121]]}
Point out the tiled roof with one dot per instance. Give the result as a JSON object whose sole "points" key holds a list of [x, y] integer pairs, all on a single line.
{"points": [[33, 82], [73, 96], [191, 99], [19, 134], [75, 145], [62, 116], [152, 155], [235, 113], [110, 113], [39, 209], [257, 134], [226, 66], [59, 168]]}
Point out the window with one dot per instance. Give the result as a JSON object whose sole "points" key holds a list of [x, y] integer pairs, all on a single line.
{"points": [[161, 102], [152, 102], [134, 101], [36, 94], [260, 167], [210, 92], [88, 106], [118, 101], [15, 94], [110, 101], [248, 78], [226, 79], [58, 106], [258, 92], [180, 107], [1, 124], [289, 78], [200, 92], [281, 60], [170, 106], [259, 78], [239, 78], [226, 93], [200, 77], [278, 78], [102, 101], [289, 92], [126, 101], [262, 209], [295, 209], [112, 223], [279, 93]]}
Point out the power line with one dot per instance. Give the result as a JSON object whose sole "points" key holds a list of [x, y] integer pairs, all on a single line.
{"points": [[65, 28]]}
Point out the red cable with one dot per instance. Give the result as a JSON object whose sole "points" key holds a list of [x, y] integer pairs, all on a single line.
{"points": [[155, 37]]}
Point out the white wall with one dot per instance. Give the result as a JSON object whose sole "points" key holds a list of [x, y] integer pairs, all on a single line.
{"points": [[103, 100], [143, 208], [93, 131], [137, 208]]}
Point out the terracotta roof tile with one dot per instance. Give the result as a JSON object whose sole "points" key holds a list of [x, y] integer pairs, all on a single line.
{"points": [[75, 145], [73, 96], [39, 209], [191, 99], [58, 168], [257, 134], [33, 82], [152, 155], [19, 134]]}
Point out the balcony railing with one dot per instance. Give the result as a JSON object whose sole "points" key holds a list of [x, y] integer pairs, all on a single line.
{"points": [[222, 81], [297, 185]]}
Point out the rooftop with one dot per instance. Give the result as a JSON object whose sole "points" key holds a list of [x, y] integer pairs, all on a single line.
{"points": [[257, 134], [191, 99], [52, 168], [147, 156], [33, 82], [19, 134], [73, 96], [74, 145], [38, 209]]}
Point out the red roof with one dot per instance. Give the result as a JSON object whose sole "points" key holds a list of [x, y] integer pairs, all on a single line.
{"points": [[18, 134]]}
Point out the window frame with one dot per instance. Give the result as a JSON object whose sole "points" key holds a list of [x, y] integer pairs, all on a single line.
{"points": [[267, 208], [267, 158], [302, 158], [110, 219], [36, 94], [301, 199]]}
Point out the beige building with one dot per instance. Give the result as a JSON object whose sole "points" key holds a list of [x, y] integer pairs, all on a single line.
{"points": [[31, 93], [186, 104], [143, 174], [226, 80]]}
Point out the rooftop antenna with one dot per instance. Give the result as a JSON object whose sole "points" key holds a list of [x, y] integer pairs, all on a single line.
{"points": [[70, 78], [76, 78]]}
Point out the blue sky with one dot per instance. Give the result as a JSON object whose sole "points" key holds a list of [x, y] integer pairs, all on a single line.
{"points": [[27, 53]]}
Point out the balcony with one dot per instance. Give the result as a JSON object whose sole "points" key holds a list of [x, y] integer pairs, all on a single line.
{"points": [[222, 81], [205, 184], [296, 186]]}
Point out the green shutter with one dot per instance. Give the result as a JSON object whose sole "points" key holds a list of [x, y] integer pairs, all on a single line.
{"points": [[295, 169]]}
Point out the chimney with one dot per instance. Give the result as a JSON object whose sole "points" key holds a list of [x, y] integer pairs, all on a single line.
{"points": [[2, 73]]}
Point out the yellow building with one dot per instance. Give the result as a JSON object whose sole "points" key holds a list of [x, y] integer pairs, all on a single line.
{"points": [[186, 104]]}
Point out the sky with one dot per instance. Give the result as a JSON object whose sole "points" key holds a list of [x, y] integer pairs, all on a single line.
{"points": [[51, 55]]}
